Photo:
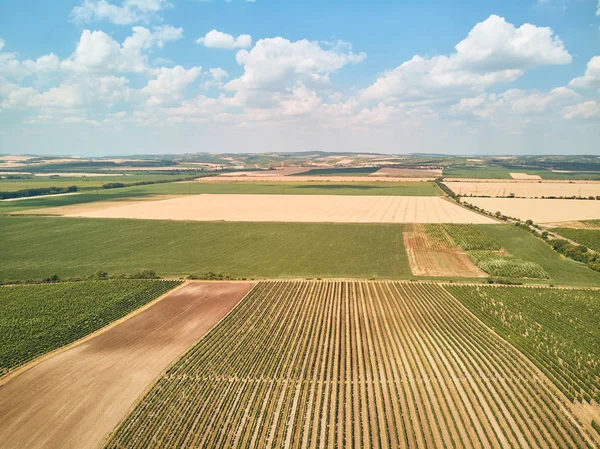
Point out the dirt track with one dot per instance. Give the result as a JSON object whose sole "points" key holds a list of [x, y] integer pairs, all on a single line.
{"points": [[297, 208], [76, 398]]}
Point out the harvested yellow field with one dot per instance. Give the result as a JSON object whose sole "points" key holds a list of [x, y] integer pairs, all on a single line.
{"points": [[524, 176], [541, 210], [525, 189], [296, 208], [285, 171], [408, 172], [292, 178]]}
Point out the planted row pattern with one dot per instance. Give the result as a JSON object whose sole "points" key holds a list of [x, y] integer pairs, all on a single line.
{"points": [[351, 364], [555, 328]]}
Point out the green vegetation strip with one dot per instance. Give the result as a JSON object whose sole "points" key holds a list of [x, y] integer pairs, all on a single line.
{"points": [[557, 329], [586, 237], [36, 319], [37, 247]]}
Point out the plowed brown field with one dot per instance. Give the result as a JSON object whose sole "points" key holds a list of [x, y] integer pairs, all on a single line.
{"points": [[428, 256], [75, 399]]}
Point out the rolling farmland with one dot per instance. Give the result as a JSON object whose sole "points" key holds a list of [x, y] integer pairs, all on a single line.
{"points": [[36, 319], [351, 364]]}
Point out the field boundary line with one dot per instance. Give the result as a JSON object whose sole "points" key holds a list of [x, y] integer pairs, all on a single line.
{"points": [[591, 435], [178, 357], [84, 339]]}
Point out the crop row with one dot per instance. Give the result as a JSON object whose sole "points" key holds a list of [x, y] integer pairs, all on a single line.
{"points": [[350, 364], [35, 319], [471, 237], [557, 329], [505, 265]]}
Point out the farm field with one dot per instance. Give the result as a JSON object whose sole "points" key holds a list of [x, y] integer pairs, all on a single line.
{"points": [[482, 252], [586, 237], [297, 208], [83, 183], [492, 172], [301, 178], [431, 252], [411, 188], [99, 380], [351, 364], [359, 171], [407, 172], [80, 247], [540, 210], [36, 319], [555, 328], [525, 189]]}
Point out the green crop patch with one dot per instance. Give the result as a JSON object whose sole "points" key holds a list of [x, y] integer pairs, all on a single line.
{"points": [[471, 237], [36, 319], [37, 247], [557, 329], [505, 265]]}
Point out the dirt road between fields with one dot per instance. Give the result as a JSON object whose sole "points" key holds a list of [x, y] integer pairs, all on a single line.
{"points": [[76, 398]]}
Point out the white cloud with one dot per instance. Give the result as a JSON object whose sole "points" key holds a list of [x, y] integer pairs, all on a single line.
{"points": [[2, 43], [274, 63], [166, 33], [516, 102], [591, 79], [586, 110], [97, 52], [218, 74], [63, 96], [218, 39], [132, 11], [494, 52], [170, 84]]}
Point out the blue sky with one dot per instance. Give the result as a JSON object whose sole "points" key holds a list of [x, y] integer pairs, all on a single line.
{"points": [[94, 77]]}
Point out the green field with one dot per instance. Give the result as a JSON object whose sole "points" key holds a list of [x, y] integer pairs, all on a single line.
{"points": [[556, 329], [36, 319], [273, 188], [506, 265], [585, 237], [37, 247], [83, 183]]}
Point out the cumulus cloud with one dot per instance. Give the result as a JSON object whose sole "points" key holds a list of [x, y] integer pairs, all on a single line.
{"points": [[218, 74], [494, 52], [274, 63], [585, 110], [2, 43], [218, 39], [514, 102], [591, 79], [64, 96], [170, 84], [98, 52], [131, 11]]}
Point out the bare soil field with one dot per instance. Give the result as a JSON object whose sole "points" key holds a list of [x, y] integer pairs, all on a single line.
{"points": [[428, 256], [407, 173], [75, 399], [292, 178], [297, 208], [525, 190], [541, 210], [524, 176]]}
